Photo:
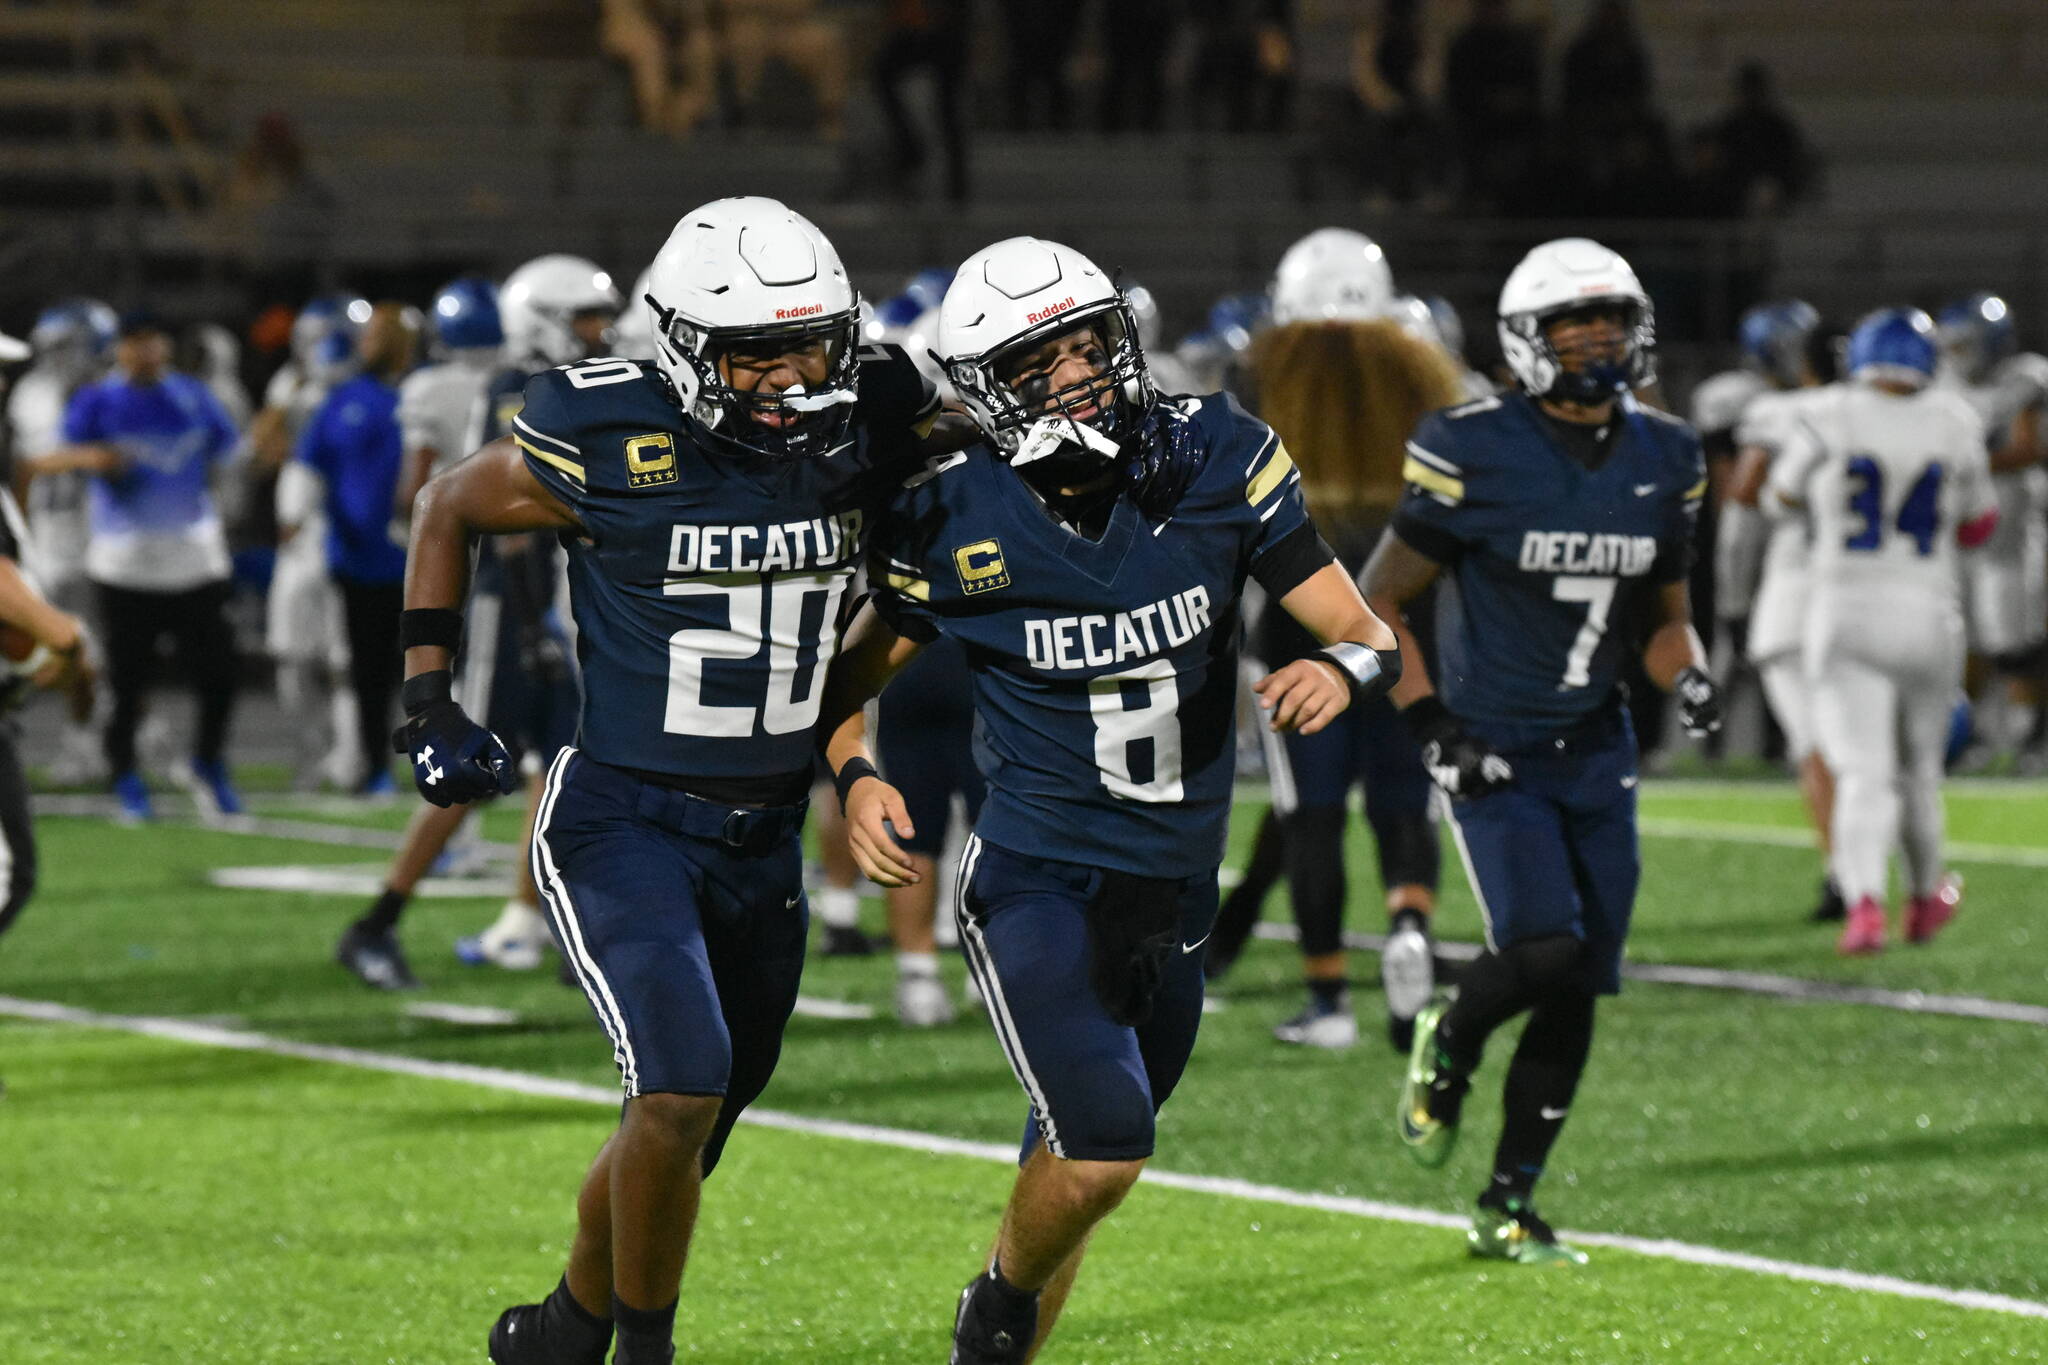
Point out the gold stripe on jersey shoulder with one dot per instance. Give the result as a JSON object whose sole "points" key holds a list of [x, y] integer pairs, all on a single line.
{"points": [[1430, 480], [1270, 474], [909, 586], [569, 467], [1697, 491]]}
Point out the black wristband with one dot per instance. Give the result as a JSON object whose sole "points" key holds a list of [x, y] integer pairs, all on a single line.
{"points": [[440, 626], [1429, 719], [854, 771], [423, 690]]}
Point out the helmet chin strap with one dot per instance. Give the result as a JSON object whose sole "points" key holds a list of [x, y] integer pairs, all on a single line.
{"points": [[1048, 436]]}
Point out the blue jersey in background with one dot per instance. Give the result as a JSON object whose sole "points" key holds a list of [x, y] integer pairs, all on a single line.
{"points": [[154, 522], [352, 442]]}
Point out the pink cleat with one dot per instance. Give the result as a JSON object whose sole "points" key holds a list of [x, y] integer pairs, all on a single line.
{"points": [[1864, 932], [1926, 914]]}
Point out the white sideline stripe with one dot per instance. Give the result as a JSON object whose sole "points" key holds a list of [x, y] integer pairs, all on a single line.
{"points": [[449, 1012], [817, 1007], [548, 1087], [1663, 827], [270, 827], [350, 879], [1794, 988]]}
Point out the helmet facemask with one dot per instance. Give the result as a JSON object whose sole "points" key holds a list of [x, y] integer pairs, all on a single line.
{"points": [[1629, 367], [797, 423], [1077, 431]]}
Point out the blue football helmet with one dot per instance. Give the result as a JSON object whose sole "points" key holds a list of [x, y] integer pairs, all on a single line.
{"points": [[1976, 333], [1895, 344], [75, 334], [466, 315], [928, 288], [1774, 338], [324, 334], [1235, 317]]}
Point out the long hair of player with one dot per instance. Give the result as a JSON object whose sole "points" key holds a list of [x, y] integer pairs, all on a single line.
{"points": [[1344, 397]]}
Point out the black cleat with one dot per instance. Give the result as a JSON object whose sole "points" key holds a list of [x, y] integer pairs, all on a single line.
{"points": [[989, 1331], [517, 1338], [846, 942], [1831, 907], [375, 959]]}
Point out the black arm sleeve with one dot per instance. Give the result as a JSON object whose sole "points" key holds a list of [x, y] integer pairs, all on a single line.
{"points": [[1297, 557]]}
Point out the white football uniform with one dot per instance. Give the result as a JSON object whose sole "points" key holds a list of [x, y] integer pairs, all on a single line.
{"points": [[1885, 481], [56, 503], [2006, 585], [437, 405], [303, 620], [1777, 612]]}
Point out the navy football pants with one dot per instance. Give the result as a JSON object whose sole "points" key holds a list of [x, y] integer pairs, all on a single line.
{"points": [[1556, 853], [1094, 1084], [925, 742], [688, 944]]}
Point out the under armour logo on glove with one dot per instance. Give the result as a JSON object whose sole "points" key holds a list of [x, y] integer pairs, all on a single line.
{"points": [[429, 774], [1465, 766], [1699, 702], [454, 759]]}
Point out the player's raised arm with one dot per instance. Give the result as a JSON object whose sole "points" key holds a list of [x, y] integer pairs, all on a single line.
{"points": [[493, 491], [1360, 658], [873, 654]]}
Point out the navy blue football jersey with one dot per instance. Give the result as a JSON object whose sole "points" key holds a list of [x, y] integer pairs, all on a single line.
{"points": [[708, 586], [1547, 563], [1105, 670]]}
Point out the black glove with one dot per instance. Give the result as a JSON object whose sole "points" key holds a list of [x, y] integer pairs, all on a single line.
{"points": [[1133, 929], [542, 656], [1699, 702], [454, 760], [1458, 761]]}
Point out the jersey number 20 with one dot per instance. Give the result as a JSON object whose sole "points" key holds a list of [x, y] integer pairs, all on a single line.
{"points": [[778, 617]]}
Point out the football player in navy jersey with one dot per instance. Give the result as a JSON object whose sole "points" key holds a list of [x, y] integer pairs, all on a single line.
{"points": [[714, 505], [1560, 517], [1090, 557]]}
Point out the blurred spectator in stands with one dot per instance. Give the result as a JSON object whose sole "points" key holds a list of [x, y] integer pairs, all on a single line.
{"points": [[1762, 147], [1136, 38], [276, 210], [928, 36], [1493, 96], [1038, 41], [798, 35], [1606, 67], [152, 439], [353, 444], [629, 34], [1389, 132], [1244, 67], [1713, 189]]}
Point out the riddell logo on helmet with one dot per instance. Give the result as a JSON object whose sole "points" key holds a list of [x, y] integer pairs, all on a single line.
{"points": [[803, 312], [1042, 314]]}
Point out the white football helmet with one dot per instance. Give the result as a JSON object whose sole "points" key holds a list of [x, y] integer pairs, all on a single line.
{"points": [[539, 302], [1012, 297], [633, 333], [1333, 275], [753, 272], [1564, 276]]}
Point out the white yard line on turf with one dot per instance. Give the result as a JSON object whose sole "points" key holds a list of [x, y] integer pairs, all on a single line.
{"points": [[1781, 836], [1752, 983], [548, 1087]]}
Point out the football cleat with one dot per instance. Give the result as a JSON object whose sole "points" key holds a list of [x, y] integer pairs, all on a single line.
{"points": [[986, 1331], [514, 940], [208, 785], [1864, 932], [845, 941], [1331, 1027], [375, 959], [922, 1001], [1408, 975], [1831, 908], [1433, 1096], [1508, 1228], [133, 796], [1926, 914], [517, 1339]]}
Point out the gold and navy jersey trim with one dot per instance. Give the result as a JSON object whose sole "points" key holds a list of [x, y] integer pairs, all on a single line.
{"points": [[1433, 474], [1268, 474], [549, 450], [1697, 491], [923, 423]]}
